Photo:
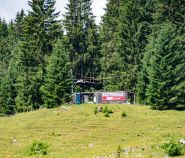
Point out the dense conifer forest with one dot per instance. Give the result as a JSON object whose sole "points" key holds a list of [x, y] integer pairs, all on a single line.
{"points": [[139, 46]]}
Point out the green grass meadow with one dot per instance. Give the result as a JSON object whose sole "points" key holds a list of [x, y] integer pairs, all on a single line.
{"points": [[76, 132]]}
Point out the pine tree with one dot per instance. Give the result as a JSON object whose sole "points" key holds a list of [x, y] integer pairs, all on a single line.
{"points": [[166, 51], [8, 90], [81, 38], [125, 27], [91, 38], [3, 28], [6, 46], [18, 25], [135, 20], [166, 11], [112, 63], [40, 30], [57, 84], [171, 11], [42, 24]]}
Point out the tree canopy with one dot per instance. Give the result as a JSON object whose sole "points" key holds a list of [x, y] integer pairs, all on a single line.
{"points": [[139, 46]]}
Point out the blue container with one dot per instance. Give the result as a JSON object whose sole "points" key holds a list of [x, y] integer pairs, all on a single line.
{"points": [[78, 98]]}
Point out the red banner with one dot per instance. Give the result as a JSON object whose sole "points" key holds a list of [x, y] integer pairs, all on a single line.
{"points": [[113, 98]]}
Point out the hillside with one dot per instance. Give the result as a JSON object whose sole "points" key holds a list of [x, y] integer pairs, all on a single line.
{"points": [[75, 132]]}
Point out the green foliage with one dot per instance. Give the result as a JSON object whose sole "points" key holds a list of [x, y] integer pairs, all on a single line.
{"points": [[123, 114], [124, 36], [81, 40], [165, 49], [110, 111], [160, 81], [180, 107], [8, 90], [3, 28], [171, 11], [95, 110], [172, 148], [18, 25], [136, 21], [139, 47], [57, 83], [39, 31], [119, 152], [112, 63], [106, 114], [105, 109], [38, 148]]}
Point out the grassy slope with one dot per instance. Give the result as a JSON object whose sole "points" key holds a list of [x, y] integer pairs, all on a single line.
{"points": [[69, 133]]}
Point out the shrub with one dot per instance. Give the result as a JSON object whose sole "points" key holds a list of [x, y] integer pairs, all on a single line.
{"points": [[105, 109], [119, 151], [110, 111], [107, 114], [37, 148], [123, 114], [172, 148], [180, 107], [95, 110]]}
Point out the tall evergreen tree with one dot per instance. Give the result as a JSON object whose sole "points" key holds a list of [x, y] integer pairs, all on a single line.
{"points": [[171, 11], [9, 67], [111, 62], [136, 20], [125, 27], [166, 51], [18, 25], [8, 91], [3, 28], [40, 30], [57, 84], [81, 38], [29, 77], [166, 11], [42, 24], [6, 46]]}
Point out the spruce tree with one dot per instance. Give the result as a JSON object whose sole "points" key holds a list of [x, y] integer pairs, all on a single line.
{"points": [[3, 28], [40, 30], [6, 47], [57, 84], [91, 55], [171, 11], [42, 24], [111, 62], [165, 67], [8, 90], [166, 11], [81, 39], [135, 20], [18, 25]]}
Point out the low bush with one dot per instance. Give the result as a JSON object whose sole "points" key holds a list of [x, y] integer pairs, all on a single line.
{"points": [[95, 110], [37, 148], [107, 114], [105, 109], [172, 148], [180, 107], [119, 152], [110, 111], [123, 114]]}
